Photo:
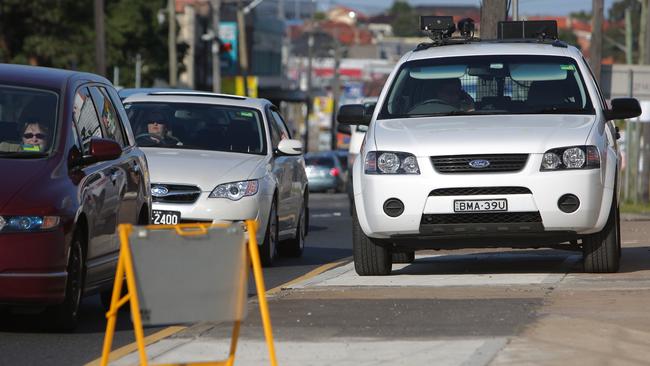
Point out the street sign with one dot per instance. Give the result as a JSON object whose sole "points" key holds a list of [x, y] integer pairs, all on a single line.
{"points": [[229, 61]]}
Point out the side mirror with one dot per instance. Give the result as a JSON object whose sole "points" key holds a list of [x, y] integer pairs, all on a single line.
{"points": [[344, 129], [290, 147], [353, 114], [623, 108], [103, 150]]}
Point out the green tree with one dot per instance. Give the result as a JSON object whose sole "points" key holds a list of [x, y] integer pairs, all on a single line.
{"points": [[614, 37], [405, 22], [569, 37]]}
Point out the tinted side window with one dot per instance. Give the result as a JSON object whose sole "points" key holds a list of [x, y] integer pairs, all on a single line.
{"points": [[275, 132], [122, 116], [284, 132], [85, 118], [107, 114]]}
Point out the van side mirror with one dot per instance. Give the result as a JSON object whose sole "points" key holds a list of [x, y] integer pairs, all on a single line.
{"points": [[623, 108], [103, 150]]}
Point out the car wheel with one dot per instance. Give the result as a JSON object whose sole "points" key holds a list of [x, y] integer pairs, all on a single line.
{"points": [[270, 244], [370, 258], [602, 250], [403, 257], [295, 246], [65, 315]]}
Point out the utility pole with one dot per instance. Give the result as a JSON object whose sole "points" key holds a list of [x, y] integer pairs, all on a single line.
{"points": [[216, 67], [243, 50], [310, 94], [628, 37], [642, 30], [596, 47], [100, 39], [645, 11], [492, 12], [515, 9], [171, 43], [336, 86]]}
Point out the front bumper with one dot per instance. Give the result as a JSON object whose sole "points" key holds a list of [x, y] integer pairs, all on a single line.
{"points": [[33, 267], [221, 210], [546, 188]]}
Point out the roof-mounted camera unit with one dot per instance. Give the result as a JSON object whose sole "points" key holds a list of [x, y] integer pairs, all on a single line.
{"points": [[437, 27], [532, 29]]}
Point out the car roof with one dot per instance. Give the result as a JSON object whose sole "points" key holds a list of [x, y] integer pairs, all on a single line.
{"points": [[492, 48], [44, 77], [198, 98], [127, 92]]}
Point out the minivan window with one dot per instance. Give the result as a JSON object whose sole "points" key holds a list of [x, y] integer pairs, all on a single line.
{"points": [[28, 121], [108, 116], [495, 84], [197, 127], [85, 118]]}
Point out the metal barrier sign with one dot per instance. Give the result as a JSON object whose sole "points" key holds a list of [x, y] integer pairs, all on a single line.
{"points": [[187, 273]]}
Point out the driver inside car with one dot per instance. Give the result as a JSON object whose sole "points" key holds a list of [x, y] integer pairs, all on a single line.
{"points": [[158, 132], [451, 92]]}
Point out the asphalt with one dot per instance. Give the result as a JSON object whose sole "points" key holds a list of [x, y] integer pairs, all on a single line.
{"points": [[488, 307]]}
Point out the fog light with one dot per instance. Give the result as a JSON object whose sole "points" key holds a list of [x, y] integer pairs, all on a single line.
{"points": [[393, 207], [568, 203]]}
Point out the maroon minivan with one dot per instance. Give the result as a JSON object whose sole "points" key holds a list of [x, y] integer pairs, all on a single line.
{"points": [[70, 173]]}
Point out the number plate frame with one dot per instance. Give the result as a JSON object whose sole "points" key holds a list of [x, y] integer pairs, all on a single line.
{"points": [[489, 205], [169, 217]]}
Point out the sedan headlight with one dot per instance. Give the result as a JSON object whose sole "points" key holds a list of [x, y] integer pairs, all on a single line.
{"points": [[236, 190], [573, 157], [390, 162], [27, 223]]}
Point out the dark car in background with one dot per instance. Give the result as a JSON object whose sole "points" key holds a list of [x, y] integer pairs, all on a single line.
{"points": [[71, 174], [325, 172]]}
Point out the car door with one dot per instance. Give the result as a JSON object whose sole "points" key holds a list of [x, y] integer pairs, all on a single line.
{"points": [[96, 190], [281, 172], [126, 169], [293, 167]]}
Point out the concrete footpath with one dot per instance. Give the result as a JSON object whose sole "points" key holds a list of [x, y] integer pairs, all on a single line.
{"points": [[493, 307]]}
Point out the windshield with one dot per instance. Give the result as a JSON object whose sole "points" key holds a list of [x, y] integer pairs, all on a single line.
{"points": [[487, 85], [27, 121], [324, 161], [197, 126]]}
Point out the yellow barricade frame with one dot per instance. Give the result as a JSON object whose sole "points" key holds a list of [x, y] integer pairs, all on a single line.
{"points": [[126, 272]]}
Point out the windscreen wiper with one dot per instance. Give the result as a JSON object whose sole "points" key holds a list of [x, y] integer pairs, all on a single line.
{"points": [[551, 110]]}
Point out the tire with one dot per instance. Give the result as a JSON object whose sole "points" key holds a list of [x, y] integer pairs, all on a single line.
{"points": [[403, 257], [295, 246], [370, 258], [268, 250], [65, 315], [602, 250]]}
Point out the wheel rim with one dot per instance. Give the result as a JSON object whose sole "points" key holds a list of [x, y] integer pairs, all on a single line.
{"points": [[74, 274]]}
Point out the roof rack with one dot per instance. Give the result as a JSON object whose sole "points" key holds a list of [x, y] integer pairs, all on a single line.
{"points": [[199, 94], [441, 28]]}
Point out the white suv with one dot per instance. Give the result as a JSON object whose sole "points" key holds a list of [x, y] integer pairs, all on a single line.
{"points": [[488, 144]]}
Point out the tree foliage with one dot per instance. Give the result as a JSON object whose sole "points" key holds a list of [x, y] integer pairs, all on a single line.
{"points": [[405, 21], [61, 33], [615, 36]]}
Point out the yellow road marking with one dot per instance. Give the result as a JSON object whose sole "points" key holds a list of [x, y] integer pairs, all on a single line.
{"points": [[313, 273], [129, 348]]}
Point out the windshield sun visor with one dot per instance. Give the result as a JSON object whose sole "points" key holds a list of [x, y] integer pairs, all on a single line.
{"points": [[539, 72], [438, 72]]}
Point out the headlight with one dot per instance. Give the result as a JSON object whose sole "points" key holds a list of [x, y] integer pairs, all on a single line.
{"points": [[27, 223], [390, 162], [236, 190], [573, 157]]}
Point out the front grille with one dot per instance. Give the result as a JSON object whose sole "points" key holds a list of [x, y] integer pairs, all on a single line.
{"points": [[178, 193], [481, 218], [475, 191], [498, 163]]}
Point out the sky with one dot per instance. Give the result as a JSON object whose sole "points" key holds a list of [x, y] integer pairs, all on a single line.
{"points": [[526, 7]]}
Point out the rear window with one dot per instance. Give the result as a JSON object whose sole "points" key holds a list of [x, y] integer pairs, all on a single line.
{"points": [[197, 127], [324, 161], [27, 121]]}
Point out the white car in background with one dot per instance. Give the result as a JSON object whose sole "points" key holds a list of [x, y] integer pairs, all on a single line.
{"points": [[223, 158], [488, 144]]}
